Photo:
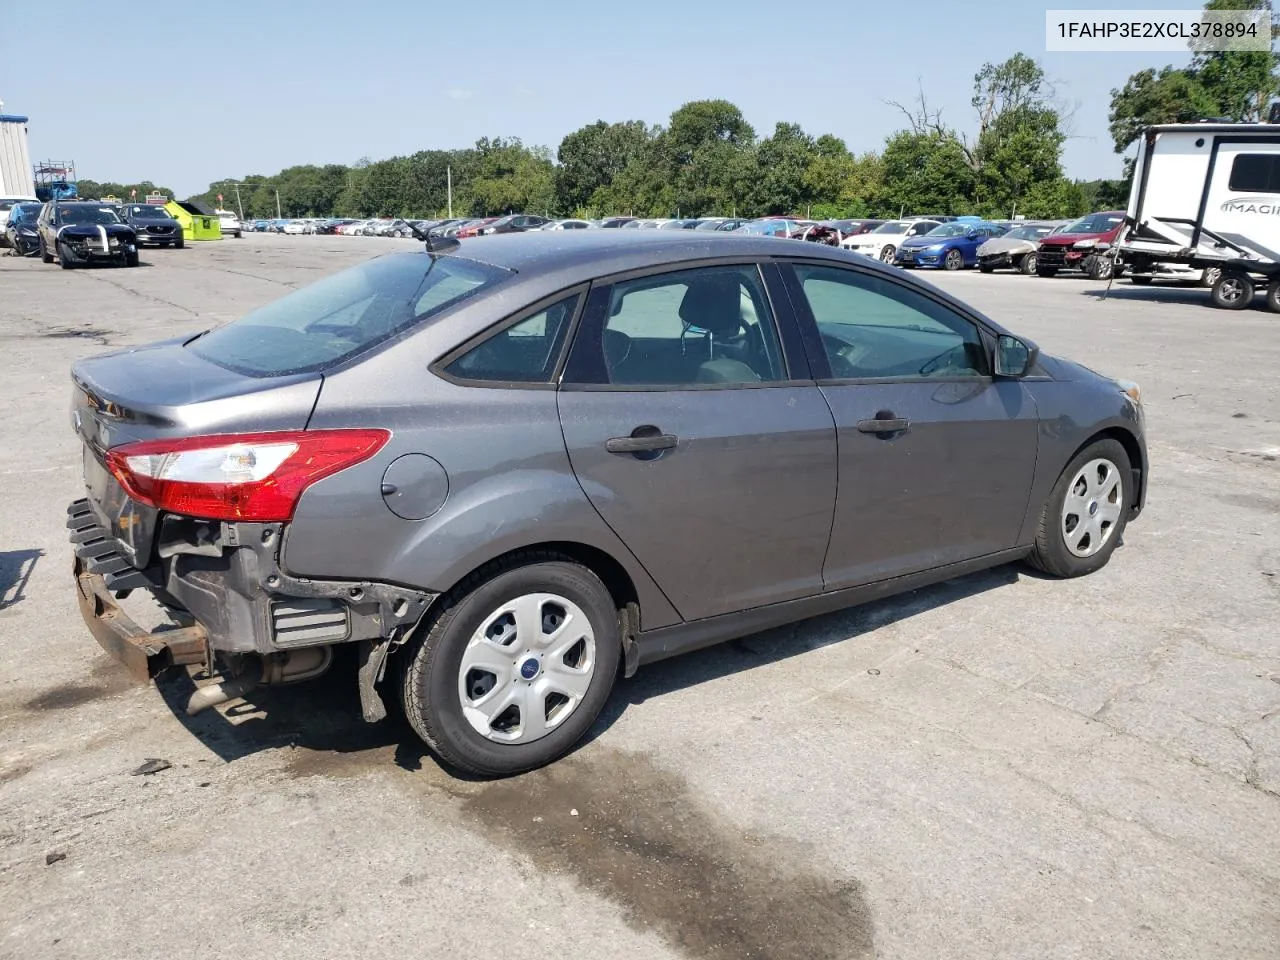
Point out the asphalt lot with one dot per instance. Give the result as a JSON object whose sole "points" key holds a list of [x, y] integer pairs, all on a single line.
{"points": [[1004, 766]]}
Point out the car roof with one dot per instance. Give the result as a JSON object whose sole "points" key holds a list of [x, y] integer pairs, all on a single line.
{"points": [[591, 253]]}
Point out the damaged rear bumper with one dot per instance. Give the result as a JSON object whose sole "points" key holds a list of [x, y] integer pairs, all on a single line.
{"points": [[145, 653]]}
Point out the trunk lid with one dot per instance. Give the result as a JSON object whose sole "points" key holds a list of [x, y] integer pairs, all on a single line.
{"points": [[164, 390]]}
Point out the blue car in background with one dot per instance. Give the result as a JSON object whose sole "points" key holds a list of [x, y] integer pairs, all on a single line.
{"points": [[948, 245]]}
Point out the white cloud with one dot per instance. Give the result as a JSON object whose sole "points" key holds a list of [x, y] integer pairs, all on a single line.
{"points": [[456, 94]]}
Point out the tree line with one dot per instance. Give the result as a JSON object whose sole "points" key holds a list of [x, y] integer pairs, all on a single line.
{"points": [[708, 160]]}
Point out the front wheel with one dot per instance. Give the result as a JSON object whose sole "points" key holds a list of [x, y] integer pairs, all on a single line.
{"points": [[65, 260], [515, 669], [1101, 267], [1085, 515], [131, 258], [886, 255], [986, 268], [1232, 291], [1028, 264], [954, 260], [180, 242]]}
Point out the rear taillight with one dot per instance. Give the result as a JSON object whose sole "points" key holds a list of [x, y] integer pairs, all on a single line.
{"points": [[246, 476]]}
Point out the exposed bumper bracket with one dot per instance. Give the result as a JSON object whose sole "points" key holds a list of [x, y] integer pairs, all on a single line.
{"points": [[145, 653]]}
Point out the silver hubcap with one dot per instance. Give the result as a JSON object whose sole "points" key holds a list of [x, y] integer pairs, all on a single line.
{"points": [[527, 667], [886, 254], [953, 259], [1231, 290], [1092, 507]]}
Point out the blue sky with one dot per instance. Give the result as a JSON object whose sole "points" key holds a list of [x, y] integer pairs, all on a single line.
{"points": [[267, 84]]}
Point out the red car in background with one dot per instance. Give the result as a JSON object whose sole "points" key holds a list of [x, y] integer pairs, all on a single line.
{"points": [[1083, 245], [473, 229]]}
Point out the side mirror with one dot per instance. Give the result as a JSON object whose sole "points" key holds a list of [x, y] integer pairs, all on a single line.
{"points": [[1014, 357], [972, 235]]}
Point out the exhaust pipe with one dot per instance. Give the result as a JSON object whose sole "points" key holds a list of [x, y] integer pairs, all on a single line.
{"points": [[272, 670], [216, 693]]}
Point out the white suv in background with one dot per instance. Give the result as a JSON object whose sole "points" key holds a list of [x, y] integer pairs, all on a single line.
{"points": [[883, 242], [230, 222]]}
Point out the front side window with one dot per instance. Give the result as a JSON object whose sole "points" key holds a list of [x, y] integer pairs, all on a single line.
{"points": [[524, 352], [345, 314], [710, 325], [874, 328], [1255, 173]]}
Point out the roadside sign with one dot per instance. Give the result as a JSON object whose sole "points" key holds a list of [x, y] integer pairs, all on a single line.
{"points": [[158, 199]]}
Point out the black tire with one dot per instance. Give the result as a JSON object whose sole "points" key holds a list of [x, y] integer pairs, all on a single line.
{"points": [[1046, 271], [430, 664], [236, 234], [131, 258], [1101, 267], [1050, 553], [954, 260], [1027, 264], [986, 268], [1273, 296], [887, 253], [1140, 281], [1209, 276], [180, 242], [64, 257], [1232, 291], [45, 255]]}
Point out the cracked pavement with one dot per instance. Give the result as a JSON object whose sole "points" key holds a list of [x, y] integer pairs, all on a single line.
{"points": [[1003, 766]]}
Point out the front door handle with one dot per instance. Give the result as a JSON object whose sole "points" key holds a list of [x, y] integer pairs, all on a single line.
{"points": [[883, 425], [641, 444]]}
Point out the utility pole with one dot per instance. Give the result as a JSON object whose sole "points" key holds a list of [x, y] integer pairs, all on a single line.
{"points": [[239, 205], [448, 173], [278, 215]]}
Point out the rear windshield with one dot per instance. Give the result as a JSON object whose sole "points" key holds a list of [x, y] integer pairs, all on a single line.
{"points": [[346, 314]]}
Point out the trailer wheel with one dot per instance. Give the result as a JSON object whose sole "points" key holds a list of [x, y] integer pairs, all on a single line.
{"points": [[1233, 291], [1273, 296], [1210, 276]]}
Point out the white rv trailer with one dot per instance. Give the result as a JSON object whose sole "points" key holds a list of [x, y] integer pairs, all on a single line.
{"points": [[1207, 195]]}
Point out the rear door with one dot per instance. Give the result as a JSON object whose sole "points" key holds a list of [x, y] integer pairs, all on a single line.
{"points": [[936, 456], [694, 428]]}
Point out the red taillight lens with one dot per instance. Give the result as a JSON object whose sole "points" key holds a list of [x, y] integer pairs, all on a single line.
{"points": [[245, 476]]}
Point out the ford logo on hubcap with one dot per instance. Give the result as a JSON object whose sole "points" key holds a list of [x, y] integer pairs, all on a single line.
{"points": [[529, 669]]}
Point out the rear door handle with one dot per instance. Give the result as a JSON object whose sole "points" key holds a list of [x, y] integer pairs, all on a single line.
{"points": [[641, 444], [894, 425]]}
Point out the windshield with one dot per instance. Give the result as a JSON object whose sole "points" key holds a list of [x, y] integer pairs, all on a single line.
{"points": [[345, 314], [77, 213], [951, 230], [1028, 233], [24, 214], [1094, 223], [147, 210], [893, 226], [768, 228]]}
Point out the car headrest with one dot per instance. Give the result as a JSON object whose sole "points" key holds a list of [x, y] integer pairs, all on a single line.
{"points": [[715, 304]]}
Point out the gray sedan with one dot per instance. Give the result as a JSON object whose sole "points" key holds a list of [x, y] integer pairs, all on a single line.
{"points": [[512, 469]]}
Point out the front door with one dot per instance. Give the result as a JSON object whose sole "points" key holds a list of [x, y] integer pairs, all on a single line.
{"points": [[936, 456], [689, 438]]}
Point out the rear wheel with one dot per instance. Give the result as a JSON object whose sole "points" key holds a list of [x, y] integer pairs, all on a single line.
{"points": [[954, 260], [1273, 296], [1085, 515], [45, 255], [1232, 291], [515, 669]]}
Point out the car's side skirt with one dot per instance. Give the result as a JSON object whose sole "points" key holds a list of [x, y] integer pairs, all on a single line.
{"points": [[664, 642]]}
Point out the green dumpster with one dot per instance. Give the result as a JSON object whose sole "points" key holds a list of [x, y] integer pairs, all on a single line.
{"points": [[198, 221]]}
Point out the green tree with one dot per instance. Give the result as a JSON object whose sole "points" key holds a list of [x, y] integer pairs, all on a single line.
{"points": [[1240, 83], [783, 162], [924, 172], [592, 157], [1150, 97]]}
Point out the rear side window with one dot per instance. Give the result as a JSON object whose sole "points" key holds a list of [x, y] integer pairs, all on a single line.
{"points": [[524, 352], [345, 314], [1255, 173]]}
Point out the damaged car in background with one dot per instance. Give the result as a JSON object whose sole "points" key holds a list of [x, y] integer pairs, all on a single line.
{"points": [[1017, 248], [487, 466], [81, 233], [21, 234]]}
